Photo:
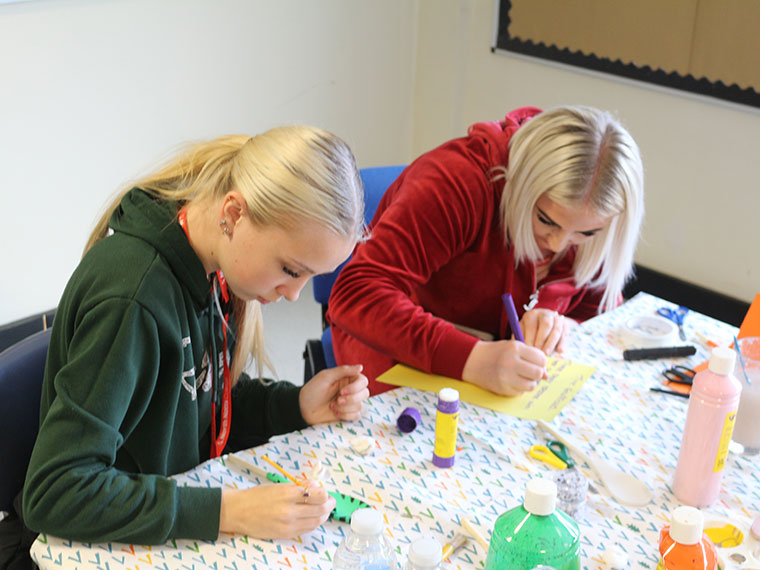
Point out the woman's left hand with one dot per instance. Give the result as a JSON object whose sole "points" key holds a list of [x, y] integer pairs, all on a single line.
{"points": [[334, 394], [546, 329]]}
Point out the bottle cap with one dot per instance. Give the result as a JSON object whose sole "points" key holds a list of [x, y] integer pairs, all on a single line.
{"points": [[448, 395], [367, 522], [408, 420], [426, 551], [540, 496], [722, 360], [686, 525]]}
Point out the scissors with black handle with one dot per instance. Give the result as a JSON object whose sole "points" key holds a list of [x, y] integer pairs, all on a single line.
{"points": [[679, 374], [675, 315]]}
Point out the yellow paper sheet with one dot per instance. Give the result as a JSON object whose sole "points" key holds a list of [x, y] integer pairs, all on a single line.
{"points": [[565, 378]]}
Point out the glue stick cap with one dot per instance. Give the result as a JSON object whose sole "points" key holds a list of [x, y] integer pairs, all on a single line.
{"points": [[722, 360], [686, 525], [367, 522], [409, 419], [540, 496]]}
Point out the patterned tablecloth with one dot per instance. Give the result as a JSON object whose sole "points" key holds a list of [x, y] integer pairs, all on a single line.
{"points": [[614, 412]]}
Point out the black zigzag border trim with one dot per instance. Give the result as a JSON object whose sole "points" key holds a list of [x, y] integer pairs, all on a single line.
{"points": [[702, 86]]}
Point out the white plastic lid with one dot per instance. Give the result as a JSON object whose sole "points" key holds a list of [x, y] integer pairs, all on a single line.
{"points": [[540, 496], [426, 551], [686, 525], [722, 360], [367, 522], [449, 394]]}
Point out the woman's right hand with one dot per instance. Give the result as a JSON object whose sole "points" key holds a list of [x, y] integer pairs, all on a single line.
{"points": [[281, 510], [505, 367]]}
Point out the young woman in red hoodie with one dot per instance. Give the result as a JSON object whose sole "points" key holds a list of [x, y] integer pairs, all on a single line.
{"points": [[546, 206]]}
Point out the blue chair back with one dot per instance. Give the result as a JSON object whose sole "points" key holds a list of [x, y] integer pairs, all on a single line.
{"points": [[318, 353], [21, 371], [375, 181]]}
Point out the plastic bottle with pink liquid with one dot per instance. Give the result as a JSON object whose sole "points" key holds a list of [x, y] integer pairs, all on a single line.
{"points": [[710, 418]]}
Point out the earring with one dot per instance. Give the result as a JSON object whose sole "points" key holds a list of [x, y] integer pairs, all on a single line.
{"points": [[225, 229]]}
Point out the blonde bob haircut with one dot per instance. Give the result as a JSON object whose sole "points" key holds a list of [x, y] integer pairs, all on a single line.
{"points": [[577, 156], [287, 175]]}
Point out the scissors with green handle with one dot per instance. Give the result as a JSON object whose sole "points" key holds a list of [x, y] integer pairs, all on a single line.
{"points": [[560, 450], [345, 505]]}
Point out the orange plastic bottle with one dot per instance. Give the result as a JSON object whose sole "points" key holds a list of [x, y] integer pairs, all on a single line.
{"points": [[684, 545]]}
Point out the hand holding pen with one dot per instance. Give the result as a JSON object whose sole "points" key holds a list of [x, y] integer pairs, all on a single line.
{"points": [[543, 328], [505, 367]]}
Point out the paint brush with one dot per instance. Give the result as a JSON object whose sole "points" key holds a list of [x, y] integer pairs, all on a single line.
{"points": [[472, 531], [451, 547], [741, 361], [281, 470]]}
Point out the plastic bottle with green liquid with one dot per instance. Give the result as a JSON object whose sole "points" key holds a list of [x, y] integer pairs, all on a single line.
{"points": [[535, 533]]}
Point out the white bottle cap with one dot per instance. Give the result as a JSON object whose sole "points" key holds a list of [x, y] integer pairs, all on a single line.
{"points": [[448, 394], [722, 360], [367, 522], [426, 551], [686, 525], [540, 496]]}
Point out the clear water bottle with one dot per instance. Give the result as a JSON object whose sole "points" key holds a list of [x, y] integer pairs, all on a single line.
{"points": [[425, 553], [535, 533], [365, 547]]}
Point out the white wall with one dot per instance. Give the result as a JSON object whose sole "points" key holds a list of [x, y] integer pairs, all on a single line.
{"points": [[93, 92], [701, 155]]}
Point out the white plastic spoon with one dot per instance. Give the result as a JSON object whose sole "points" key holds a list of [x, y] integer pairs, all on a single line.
{"points": [[621, 485]]}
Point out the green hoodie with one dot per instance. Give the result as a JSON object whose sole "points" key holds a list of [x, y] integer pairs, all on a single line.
{"points": [[126, 398]]}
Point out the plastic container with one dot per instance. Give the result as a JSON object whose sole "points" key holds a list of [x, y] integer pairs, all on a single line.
{"points": [[684, 545], [365, 547], [710, 419], [747, 427], [572, 487], [424, 554], [535, 533], [446, 427]]}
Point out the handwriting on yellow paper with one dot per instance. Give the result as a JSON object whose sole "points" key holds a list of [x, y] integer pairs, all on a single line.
{"points": [[564, 380]]}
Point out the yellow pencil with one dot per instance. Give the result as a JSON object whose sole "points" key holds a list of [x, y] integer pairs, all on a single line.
{"points": [[281, 470]]}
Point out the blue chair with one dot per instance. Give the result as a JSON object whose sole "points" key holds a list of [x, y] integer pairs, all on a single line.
{"points": [[319, 352], [21, 371], [11, 333]]}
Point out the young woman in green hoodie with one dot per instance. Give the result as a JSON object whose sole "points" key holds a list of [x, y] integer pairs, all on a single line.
{"points": [[145, 372]]}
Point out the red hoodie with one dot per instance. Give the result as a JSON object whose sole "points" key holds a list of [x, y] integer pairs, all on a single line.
{"points": [[438, 256]]}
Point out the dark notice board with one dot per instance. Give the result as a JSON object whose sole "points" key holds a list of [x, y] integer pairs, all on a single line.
{"points": [[708, 47]]}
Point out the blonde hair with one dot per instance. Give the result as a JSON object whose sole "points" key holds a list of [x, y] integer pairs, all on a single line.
{"points": [[286, 175], [577, 156]]}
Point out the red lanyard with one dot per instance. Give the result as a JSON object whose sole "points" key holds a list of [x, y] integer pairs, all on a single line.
{"points": [[218, 441]]}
